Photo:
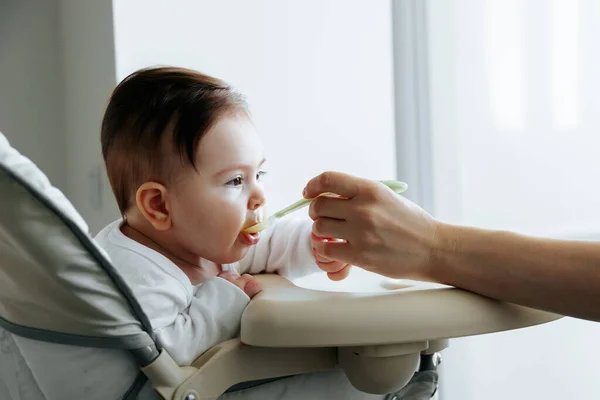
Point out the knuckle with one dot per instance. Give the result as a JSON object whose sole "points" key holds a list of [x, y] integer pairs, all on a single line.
{"points": [[324, 179], [312, 213], [318, 250], [366, 216], [372, 239], [318, 227], [315, 208], [370, 193]]}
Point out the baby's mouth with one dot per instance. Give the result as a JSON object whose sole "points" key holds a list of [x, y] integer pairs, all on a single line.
{"points": [[250, 238], [251, 223], [254, 219]]}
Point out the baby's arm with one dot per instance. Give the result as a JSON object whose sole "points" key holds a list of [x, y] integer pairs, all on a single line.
{"points": [[284, 248], [213, 316]]}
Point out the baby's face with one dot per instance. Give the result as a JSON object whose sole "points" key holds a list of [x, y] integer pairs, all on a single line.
{"points": [[213, 203]]}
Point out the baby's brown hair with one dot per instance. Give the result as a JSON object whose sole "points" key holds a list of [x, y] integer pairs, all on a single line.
{"points": [[155, 114]]}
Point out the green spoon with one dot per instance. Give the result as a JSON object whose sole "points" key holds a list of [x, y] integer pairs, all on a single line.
{"points": [[396, 186]]}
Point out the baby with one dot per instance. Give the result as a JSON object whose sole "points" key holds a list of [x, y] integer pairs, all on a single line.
{"points": [[186, 164]]}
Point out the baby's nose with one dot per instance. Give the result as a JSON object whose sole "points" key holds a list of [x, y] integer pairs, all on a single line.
{"points": [[257, 200]]}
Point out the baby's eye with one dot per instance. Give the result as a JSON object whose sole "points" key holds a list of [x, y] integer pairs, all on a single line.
{"points": [[260, 175], [237, 181]]}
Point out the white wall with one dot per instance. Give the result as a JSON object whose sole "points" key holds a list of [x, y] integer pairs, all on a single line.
{"points": [[89, 58], [516, 113], [57, 68], [31, 83], [318, 75]]}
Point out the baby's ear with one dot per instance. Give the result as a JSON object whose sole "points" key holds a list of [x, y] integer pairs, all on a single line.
{"points": [[151, 200]]}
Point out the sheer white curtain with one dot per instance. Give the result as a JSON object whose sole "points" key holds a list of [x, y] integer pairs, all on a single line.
{"points": [[516, 114], [515, 144]]}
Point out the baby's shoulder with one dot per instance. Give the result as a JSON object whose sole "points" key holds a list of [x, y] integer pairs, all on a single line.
{"points": [[132, 258]]}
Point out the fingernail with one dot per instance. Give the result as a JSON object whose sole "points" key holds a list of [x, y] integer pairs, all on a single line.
{"points": [[304, 192]]}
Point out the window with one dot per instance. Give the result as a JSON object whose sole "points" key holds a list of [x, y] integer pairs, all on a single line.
{"points": [[514, 133]]}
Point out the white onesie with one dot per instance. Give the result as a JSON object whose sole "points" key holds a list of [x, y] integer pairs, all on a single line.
{"points": [[187, 319]]}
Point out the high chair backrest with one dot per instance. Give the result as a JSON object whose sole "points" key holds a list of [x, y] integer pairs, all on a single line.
{"points": [[16, 378], [56, 285]]}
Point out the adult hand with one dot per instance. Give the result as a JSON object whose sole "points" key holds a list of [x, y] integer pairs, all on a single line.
{"points": [[381, 231]]}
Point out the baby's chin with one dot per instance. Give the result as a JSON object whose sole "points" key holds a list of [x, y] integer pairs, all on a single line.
{"points": [[232, 256]]}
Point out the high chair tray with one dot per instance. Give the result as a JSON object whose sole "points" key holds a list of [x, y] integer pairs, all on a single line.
{"points": [[285, 315]]}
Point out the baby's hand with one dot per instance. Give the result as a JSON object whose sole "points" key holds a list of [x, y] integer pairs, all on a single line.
{"points": [[336, 270], [246, 282]]}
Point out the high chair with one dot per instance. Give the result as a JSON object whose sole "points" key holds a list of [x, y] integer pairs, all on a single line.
{"points": [[57, 288]]}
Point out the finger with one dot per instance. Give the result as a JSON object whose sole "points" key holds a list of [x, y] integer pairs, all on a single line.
{"points": [[322, 259], [330, 207], [329, 228], [334, 182], [314, 239], [248, 284], [340, 251], [245, 280], [252, 288], [331, 267], [341, 274]]}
